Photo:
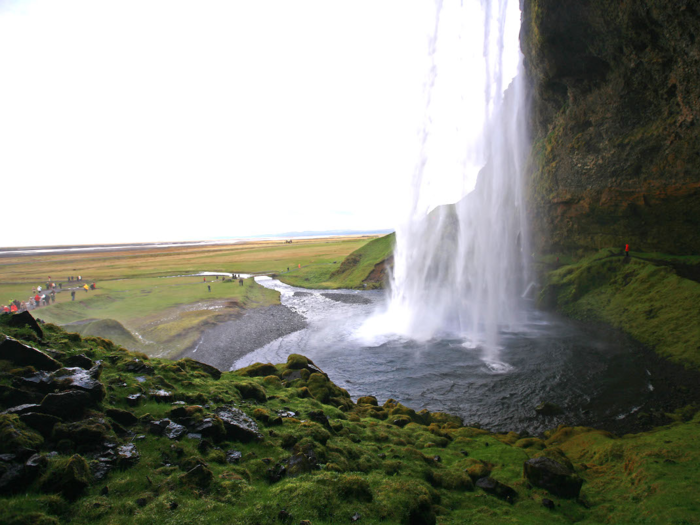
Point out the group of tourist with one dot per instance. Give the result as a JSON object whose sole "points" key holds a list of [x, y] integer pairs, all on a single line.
{"points": [[44, 296]]}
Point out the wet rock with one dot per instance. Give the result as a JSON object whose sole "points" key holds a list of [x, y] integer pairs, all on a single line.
{"points": [[233, 456], [200, 477], [127, 455], [548, 409], [286, 413], [548, 503], [42, 423], [21, 409], [238, 425], [134, 399], [552, 476], [321, 418], [497, 488], [161, 396], [24, 355], [123, 417], [11, 477], [302, 462], [355, 517], [100, 468], [25, 319], [81, 361], [41, 381], [138, 367], [69, 404], [80, 379], [167, 428]]}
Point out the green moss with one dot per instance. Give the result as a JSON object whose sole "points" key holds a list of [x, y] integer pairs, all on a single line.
{"points": [[15, 435]]}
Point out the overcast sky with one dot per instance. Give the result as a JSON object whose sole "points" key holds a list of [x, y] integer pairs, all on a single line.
{"points": [[127, 121]]}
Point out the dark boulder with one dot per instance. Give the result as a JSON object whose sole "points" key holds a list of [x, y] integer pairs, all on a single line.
{"points": [[39, 382], [497, 488], [25, 319], [233, 456], [238, 425], [80, 379], [167, 428], [161, 396], [42, 423], [127, 455], [134, 399], [123, 417], [552, 476], [11, 396], [90, 432], [80, 360], [21, 409], [211, 428], [69, 404], [24, 355]]}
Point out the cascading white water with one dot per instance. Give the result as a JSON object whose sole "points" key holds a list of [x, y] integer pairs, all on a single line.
{"points": [[461, 269]]}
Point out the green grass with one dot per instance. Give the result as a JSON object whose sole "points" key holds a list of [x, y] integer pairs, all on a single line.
{"points": [[389, 474], [351, 272], [646, 298]]}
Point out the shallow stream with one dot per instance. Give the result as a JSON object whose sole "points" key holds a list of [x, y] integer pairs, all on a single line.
{"points": [[593, 375]]}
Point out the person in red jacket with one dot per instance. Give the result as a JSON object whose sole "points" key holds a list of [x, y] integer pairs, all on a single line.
{"points": [[627, 250]]}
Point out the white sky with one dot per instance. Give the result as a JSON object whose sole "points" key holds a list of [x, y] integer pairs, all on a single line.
{"points": [[126, 121]]}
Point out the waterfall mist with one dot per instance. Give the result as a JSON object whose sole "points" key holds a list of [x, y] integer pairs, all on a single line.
{"points": [[460, 269]]}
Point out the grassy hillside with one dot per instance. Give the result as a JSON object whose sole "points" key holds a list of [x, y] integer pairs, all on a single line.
{"points": [[314, 454], [355, 270], [653, 297]]}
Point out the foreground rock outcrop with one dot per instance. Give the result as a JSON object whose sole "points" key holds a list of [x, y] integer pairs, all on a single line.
{"points": [[124, 439]]}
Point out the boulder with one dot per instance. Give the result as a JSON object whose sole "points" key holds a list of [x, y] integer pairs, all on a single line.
{"points": [[92, 431], [200, 477], [80, 360], [81, 379], [238, 425], [552, 476], [161, 396], [191, 364], [168, 429], [497, 488], [39, 382], [21, 409], [11, 396], [134, 399], [211, 428], [69, 404], [127, 455], [233, 456], [42, 423], [25, 319], [123, 417], [368, 400], [69, 478], [24, 355]]}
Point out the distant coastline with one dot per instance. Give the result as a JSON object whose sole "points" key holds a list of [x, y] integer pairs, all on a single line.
{"points": [[21, 251]]}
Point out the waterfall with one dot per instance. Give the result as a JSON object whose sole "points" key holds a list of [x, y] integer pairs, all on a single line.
{"points": [[460, 261]]}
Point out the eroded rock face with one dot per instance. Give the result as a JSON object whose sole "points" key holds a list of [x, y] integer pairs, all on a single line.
{"points": [[616, 103], [552, 476]]}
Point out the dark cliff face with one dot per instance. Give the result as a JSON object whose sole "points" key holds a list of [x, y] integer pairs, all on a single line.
{"points": [[616, 108]]}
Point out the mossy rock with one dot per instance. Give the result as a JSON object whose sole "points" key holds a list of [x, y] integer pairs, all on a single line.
{"points": [[67, 476], [252, 391], [32, 518], [199, 477], [15, 435], [191, 364], [324, 391], [535, 443], [86, 432], [272, 382], [368, 400], [297, 362], [258, 370], [479, 470], [453, 480]]}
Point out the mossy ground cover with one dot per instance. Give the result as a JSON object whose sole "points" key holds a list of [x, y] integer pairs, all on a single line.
{"points": [[645, 295], [320, 456], [352, 272]]}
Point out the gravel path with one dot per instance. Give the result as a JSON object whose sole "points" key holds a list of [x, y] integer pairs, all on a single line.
{"points": [[224, 344]]}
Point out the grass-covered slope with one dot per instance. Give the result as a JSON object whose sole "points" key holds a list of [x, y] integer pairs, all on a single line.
{"points": [[312, 454], [363, 268], [653, 297]]}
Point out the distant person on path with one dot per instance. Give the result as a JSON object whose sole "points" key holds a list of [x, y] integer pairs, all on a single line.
{"points": [[72, 295], [86, 288], [93, 287], [240, 282], [60, 286], [37, 299], [5, 309], [53, 297], [204, 279], [209, 286], [627, 250]]}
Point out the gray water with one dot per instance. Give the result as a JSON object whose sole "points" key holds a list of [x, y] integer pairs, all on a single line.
{"points": [[592, 375]]}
